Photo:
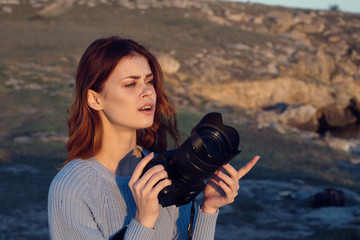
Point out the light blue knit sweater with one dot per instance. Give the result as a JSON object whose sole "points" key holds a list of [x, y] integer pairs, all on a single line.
{"points": [[86, 201]]}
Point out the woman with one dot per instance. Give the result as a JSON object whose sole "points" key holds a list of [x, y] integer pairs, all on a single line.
{"points": [[120, 114]]}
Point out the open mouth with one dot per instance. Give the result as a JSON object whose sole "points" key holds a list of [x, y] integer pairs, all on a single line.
{"points": [[147, 108]]}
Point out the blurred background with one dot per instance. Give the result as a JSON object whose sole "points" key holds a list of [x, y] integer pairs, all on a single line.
{"points": [[286, 77]]}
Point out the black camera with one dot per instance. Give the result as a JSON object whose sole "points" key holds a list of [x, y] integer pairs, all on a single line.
{"points": [[210, 146]]}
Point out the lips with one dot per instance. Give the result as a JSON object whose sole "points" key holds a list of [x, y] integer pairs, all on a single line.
{"points": [[148, 107]]}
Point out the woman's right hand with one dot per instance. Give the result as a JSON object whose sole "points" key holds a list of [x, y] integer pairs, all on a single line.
{"points": [[145, 193]]}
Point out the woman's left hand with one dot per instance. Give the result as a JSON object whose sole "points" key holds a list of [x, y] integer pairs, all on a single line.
{"points": [[222, 189]]}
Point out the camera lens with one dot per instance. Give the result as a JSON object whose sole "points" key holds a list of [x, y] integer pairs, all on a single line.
{"points": [[211, 145], [214, 142]]}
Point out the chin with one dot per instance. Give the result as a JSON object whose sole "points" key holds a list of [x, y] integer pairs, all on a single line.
{"points": [[146, 125]]}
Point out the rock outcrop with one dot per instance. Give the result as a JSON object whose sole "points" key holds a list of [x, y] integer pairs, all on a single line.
{"points": [[258, 57], [273, 55]]}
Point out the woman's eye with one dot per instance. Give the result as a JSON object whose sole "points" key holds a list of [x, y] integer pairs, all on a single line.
{"points": [[151, 82], [130, 85]]}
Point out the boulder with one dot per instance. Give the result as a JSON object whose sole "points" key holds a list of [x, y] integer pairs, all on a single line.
{"points": [[336, 115], [300, 116], [56, 8], [329, 197], [168, 63], [337, 143], [262, 93]]}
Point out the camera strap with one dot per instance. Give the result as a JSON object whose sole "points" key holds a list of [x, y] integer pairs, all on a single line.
{"points": [[192, 213]]}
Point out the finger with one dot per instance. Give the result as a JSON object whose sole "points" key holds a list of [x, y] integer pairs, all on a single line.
{"points": [[232, 185], [141, 187], [149, 174], [245, 169], [228, 192], [215, 182], [233, 174], [160, 186], [140, 167], [154, 179]]}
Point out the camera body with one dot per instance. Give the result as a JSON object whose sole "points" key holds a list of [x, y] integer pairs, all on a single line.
{"points": [[211, 145]]}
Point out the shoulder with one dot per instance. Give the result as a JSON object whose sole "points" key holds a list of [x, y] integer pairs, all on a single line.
{"points": [[74, 177]]}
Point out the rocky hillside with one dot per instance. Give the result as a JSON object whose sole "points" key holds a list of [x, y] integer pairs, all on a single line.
{"points": [[265, 68], [301, 65], [251, 56]]}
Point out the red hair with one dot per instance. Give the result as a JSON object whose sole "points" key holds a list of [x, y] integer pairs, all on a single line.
{"points": [[96, 65]]}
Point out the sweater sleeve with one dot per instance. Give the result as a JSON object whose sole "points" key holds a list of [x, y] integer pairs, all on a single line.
{"points": [[70, 214], [204, 227], [133, 231]]}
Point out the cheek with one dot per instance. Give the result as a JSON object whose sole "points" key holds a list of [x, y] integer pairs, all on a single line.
{"points": [[120, 111], [116, 102], [121, 103], [155, 96]]}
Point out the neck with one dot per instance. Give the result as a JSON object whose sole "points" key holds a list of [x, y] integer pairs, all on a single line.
{"points": [[116, 144]]}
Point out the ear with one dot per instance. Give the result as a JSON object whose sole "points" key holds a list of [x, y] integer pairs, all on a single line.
{"points": [[94, 100]]}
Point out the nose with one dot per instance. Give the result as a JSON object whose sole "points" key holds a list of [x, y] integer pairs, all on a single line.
{"points": [[147, 91]]}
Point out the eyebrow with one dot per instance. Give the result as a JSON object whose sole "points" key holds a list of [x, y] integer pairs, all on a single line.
{"points": [[138, 77]]}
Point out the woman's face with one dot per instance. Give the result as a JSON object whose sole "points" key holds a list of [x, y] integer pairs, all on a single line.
{"points": [[128, 98]]}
